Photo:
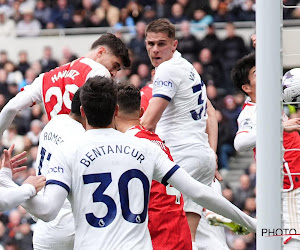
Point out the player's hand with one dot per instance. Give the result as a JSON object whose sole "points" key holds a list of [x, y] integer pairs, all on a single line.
{"points": [[217, 174], [291, 125], [15, 162], [253, 38], [37, 181]]}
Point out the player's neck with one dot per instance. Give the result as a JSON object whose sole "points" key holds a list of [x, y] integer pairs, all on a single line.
{"points": [[124, 124]]}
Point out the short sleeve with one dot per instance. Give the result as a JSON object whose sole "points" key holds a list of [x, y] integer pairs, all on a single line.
{"points": [[164, 84], [164, 167], [35, 89], [59, 172]]}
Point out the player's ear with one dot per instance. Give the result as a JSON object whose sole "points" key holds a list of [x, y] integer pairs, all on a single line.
{"points": [[246, 87], [142, 111], [100, 50], [82, 112], [175, 43], [116, 110]]}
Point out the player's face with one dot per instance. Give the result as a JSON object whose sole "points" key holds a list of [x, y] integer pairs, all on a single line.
{"points": [[160, 47], [111, 62], [250, 88]]}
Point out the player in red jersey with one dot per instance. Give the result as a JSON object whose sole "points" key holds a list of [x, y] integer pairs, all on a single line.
{"points": [[57, 87], [244, 77], [167, 220]]}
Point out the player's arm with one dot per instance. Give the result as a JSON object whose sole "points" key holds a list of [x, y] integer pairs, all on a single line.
{"points": [[208, 198], [156, 107], [21, 101], [291, 125], [212, 126]]}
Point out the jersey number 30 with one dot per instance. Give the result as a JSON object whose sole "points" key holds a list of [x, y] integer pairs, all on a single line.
{"points": [[98, 196]]}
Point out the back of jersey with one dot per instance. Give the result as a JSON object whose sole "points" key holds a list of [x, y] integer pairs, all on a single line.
{"points": [[184, 119], [60, 84], [108, 175]]}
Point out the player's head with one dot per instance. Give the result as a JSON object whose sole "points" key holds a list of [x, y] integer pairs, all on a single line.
{"points": [[129, 99], [98, 98], [243, 75], [129, 102], [160, 41], [111, 52], [75, 108]]}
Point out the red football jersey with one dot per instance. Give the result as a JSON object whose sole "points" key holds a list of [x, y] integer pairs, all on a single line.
{"points": [[60, 84], [167, 220], [146, 95], [292, 141]]}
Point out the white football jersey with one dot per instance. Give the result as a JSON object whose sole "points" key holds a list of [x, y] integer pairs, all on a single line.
{"points": [[184, 119], [247, 118], [108, 176], [51, 235]]}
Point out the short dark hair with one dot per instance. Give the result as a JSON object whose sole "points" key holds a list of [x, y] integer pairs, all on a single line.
{"points": [[129, 98], [75, 105], [116, 45], [98, 98], [162, 25], [240, 72]]}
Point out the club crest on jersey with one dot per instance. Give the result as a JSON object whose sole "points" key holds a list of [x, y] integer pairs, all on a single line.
{"points": [[158, 82], [65, 74]]}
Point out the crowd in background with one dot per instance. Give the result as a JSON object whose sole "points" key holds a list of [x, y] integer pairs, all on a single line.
{"points": [[212, 57]]}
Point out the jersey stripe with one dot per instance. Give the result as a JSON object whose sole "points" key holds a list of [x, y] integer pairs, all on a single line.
{"points": [[169, 174], [58, 183], [162, 96]]}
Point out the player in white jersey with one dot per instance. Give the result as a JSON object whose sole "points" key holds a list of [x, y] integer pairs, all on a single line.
{"points": [[177, 111], [59, 233], [106, 175], [12, 197], [56, 88]]}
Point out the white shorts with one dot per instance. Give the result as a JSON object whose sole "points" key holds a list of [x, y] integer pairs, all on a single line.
{"points": [[200, 162], [57, 234], [291, 217]]}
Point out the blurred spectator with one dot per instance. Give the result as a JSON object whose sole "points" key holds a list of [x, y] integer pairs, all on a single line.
{"points": [[200, 20], [16, 12], [23, 63], [225, 141], [84, 14], [42, 13], [177, 15], [34, 133], [211, 41], [13, 89], [231, 111], [37, 67], [135, 10], [47, 60], [250, 206], [107, 13], [29, 78], [28, 25], [188, 45], [214, 97], [61, 15], [287, 12], [7, 26], [212, 69], [135, 79], [13, 75], [137, 44], [78, 20], [125, 21], [162, 8], [6, 7], [251, 171], [232, 49], [247, 11], [3, 83], [228, 194], [144, 73], [243, 191], [222, 14], [68, 55], [3, 58], [149, 14], [11, 136], [296, 12]]}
